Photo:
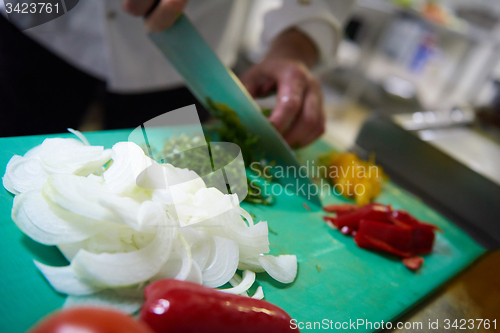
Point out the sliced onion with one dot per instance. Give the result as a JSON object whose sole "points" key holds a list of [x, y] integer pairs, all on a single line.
{"points": [[80, 136], [236, 280], [200, 251], [124, 269], [180, 265], [72, 156], [224, 264], [259, 293], [282, 268], [87, 198], [244, 285], [113, 217], [195, 274], [247, 216], [129, 161], [251, 264], [24, 174], [34, 152], [252, 241], [188, 180], [66, 281], [38, 219]]}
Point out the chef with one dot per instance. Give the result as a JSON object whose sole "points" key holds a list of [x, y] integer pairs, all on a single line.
{"points": [[51, 73]]}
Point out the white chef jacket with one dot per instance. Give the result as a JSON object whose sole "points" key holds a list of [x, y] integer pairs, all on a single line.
{"points": [[98, 37]]}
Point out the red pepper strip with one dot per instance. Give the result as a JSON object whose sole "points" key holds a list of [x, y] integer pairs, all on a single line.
{"points": [[381, 236], [371, 211], [430, 226], [404, 217], [348, 231], [341, 209], [367, 242], [423, 234], [413, 263], [423, 238], [400, 217], [330, 221]]}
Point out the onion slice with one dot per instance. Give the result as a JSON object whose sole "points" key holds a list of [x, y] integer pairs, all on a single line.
{"points": [[224, 263], [244, 285], [282, 268], [24, 174], [124, 269], [64, 280], [38, 220], [259, 293], [80, 136]]}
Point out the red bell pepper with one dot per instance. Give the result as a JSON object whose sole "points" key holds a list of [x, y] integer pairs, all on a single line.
{"points": [[378, 227], [179, 306], [372, 211], [400, 217], [423, 238], [382, 236], [413, 263], [341, 209]]}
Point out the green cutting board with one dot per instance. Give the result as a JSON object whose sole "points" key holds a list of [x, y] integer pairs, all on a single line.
{"points": [[337, 281]]}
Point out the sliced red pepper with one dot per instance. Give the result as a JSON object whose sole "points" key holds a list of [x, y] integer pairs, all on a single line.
{"points": [[381, 236], [348, 231], [423, 238], [401, 216], [413, 263], [378, 227], [345, 230], [430, 226], [341, 209], [373, 211], [369, 243], [330, 220]]}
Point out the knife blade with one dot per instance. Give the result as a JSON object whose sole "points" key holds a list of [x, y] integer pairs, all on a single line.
{"points": [[206, 76]]}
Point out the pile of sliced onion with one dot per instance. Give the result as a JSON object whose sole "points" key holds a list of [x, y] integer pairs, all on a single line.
{"points": [[119, 236]]}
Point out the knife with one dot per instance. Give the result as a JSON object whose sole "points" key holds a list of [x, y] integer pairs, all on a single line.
{"points": [[206, 76]]}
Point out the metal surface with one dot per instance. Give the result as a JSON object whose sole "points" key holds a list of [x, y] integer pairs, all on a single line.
{"points": [[434, 119], [206, 76]]}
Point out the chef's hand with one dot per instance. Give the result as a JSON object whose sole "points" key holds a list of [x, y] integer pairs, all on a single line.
{"points": [[162, 17], [299, 114]]}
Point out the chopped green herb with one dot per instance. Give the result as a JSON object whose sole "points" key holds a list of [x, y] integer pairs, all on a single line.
{"points": [[272, 231], [266, 112], [232, 130]]}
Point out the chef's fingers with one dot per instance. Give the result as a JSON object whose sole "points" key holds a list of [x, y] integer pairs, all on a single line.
{"points": [[165, 14], [253, 79], [315, 94], [317, 132], [137, 7], [257, 82], [292, 83], [310, 123]]}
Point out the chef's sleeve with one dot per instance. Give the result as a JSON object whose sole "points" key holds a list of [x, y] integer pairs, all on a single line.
{"points": [[320, 20]]}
